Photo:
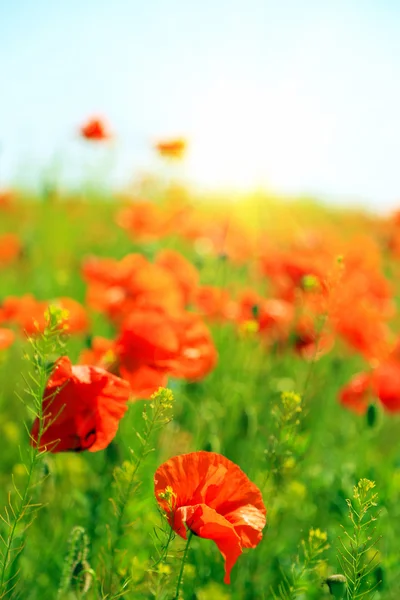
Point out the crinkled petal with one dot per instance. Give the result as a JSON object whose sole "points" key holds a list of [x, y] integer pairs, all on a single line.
{"points": [[207, 523]]}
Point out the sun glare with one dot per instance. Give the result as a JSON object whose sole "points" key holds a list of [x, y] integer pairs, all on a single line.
{"points": [[244, 137]]}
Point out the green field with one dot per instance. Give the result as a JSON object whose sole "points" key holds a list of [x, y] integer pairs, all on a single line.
{"points": [[271, 404]]}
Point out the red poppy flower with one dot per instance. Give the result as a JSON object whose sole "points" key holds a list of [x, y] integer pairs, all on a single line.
{"points": [[95, 130], [218, 235], [120, 287], [197, 355], [28, 313], [10, 248], [7, 198], [215, 303], [179, 345], [274, 316], [82, 407], [386, 385], [355, 395], [186, 275], [310, 343], [24, 311], [76, 320], [144, 379], [7, 338], [174, 148], [101, 353], [144, 220], [212, 497], [382, 383]]}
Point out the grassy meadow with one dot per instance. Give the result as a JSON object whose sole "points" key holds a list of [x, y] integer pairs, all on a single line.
{"points": [[298, 299]]}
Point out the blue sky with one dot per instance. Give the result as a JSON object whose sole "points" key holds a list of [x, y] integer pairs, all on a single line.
{"points": [[301, 97]]}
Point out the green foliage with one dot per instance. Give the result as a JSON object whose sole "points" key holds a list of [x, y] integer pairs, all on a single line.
{"points": [[156, 414], [77, 574], [357, 556], [285, 443], [23, 503], [295, 584], [306, 462]]}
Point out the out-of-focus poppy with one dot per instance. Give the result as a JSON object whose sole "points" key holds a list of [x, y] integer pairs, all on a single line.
{"points": [[382, 383], [118, 288], [356, 394], [7, 198], [386, 384], [24, 311], [95, 130], [144, 220], [143, 377], [197, 355], [288, 269], [101, 353], [218, 235], [209, 495], [75, 318], [28, 313], [310, 343], [215, 303], [174, 148], [82, 406], [363, 328], [274, 316], [7, 338], [10, 248], [184, 272], [153, 345], [145, 348]]}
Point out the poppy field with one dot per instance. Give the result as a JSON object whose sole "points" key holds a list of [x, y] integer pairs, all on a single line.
{"points": [[199, 398]]}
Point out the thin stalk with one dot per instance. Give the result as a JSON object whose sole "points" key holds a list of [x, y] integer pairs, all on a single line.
{"points": [[7, 576], [176, 597], [122, 501]]}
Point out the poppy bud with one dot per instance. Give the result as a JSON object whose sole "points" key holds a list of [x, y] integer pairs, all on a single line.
{"points": [[244, 423], [372, 415]]}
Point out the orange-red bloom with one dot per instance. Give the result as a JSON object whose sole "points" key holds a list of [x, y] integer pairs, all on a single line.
{"points": [[7, 198], [144, 220], [95, 130], [82, 407], [212, 497], [119, 287], [274, 317], [174, 148], [29, 313], [10, 248], [215, 303], [355, 394], [383, 383], [7, 338], [186, 275], [153, 345]]}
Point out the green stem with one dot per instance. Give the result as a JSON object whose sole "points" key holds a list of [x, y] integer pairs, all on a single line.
{"points": [[17, 517], [314, 357], [23, 506], [124, 500], [176, 597], [164, 553]]}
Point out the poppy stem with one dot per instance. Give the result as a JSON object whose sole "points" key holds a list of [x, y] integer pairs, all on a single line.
{"points": [[176, 597]]}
